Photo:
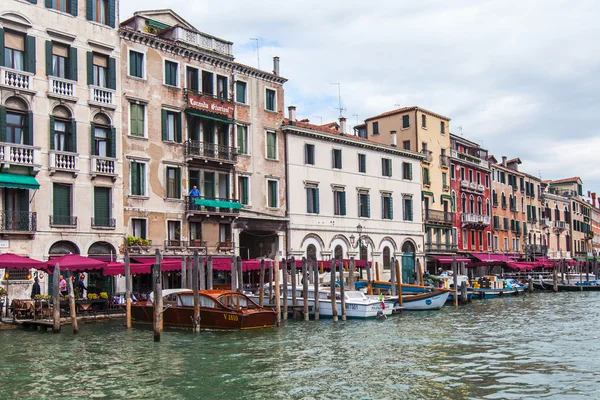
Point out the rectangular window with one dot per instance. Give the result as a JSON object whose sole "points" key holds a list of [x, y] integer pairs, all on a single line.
{"points": [[100, 145], [339, 202], [225, 233], [386, 167], [102, 208], [271, 145], [479, 178], [60, 5], [244, 190], [242, 139], [14, 51], [407, 171], [222, 88], [470, 175], [60, 60], [364, 207], [362, 163], [192, 81], [473, 239], [387, 207], [444, 180], [487, 181], [138, 228], [489, 240], [462, 174], [452, 173], [270, 100], [423, 120], [63, 140], [138, 179], [99, 11], [174, 232], [272, 188], [173, 183], [137, 113], [309, 154], [207, 83], [480, 240], [426, 180], [62, 205], [171, 127], [505, 224], [136, 64], [407, 209], [496, 244], [312, 200], [405, 121], [100, 70], [336, 159], [240, 92], [442, 128], [375, 128], [171, 73], [406, 145]]}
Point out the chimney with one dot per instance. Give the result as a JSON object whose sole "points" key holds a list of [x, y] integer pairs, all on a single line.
{"points": [[342, 125], [393, 139], [594, 199], [292, 114], [276, 65], [504, 161]]}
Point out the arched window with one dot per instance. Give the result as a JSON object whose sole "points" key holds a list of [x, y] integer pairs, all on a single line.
{"points": [[62, 130], [472, 204], [503, 200], [363, 252], [19, 122], [556, 213], [102, 249], [386, 258], [510, 201], [488, 210], [63, 247], [479, 206], [464, 203], [453, 201], [103, 137], [311, 252], [522, 204], [338, 252]]}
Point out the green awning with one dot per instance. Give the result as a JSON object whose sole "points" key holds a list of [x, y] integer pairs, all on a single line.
{"points": [[156, 24], [195, 114], [426, 193], [219, 203], [15, 181]]}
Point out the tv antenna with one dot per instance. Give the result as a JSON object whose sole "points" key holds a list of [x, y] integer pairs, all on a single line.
{"points": [[460, 130], [341, 109], [321, 118], [257, 53], [356, 115]]}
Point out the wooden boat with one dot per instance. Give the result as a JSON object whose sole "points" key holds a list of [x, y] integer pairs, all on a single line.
{"points": [[219, 309], [586, 286]]}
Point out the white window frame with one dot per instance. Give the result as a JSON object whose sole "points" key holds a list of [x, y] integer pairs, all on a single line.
{"points": [[265, 99], [390, 163], [267, 193], [132, 226], [249, 177], [145, 64], [267, 145], [235, 92], [145, 105], [164, 72], [248, 140], [489, 240], [146, 191]]}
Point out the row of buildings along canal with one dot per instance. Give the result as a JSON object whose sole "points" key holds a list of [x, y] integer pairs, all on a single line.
{"points": [[148, 134]]}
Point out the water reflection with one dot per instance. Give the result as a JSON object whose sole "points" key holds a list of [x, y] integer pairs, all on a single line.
{"points": [[537, 346]]}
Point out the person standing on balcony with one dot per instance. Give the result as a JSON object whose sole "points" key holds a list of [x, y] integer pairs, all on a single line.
{"points": [[194, 194]]}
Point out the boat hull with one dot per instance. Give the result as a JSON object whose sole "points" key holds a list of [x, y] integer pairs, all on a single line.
{"points": [[178, 316], [567, 287], [425, 301], [491, 293]]}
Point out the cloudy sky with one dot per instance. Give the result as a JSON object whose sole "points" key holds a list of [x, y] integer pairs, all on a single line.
{"points": [[522, 78]]}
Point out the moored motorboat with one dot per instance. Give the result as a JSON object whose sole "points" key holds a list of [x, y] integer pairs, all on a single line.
{"points": [[219, 309], [414, 297]]}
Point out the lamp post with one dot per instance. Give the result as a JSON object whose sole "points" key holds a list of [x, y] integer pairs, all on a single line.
{"points": [[359, 243]]}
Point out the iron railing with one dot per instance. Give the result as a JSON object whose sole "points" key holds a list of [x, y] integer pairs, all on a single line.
{"points": [[192, 207], [104, 222], [18, 221], [211, 151], [63, 220], [438, 216]]}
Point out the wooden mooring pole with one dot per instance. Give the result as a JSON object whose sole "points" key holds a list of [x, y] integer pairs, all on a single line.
{"points": [[370, 285], [201, 271], [315, 271], [234, 273], [332, 290], [195, 273], [464, 295], [555, 280], [342, 291], [209, 273], [72, 303], [284, 273], [277, 295], [261, 283], [455, 273], [183, 273], [127, 290], [351, 274], [56, 299], [158, 300], [399, 275], [393, 277], [293, 271], [530, 284], [271, 276], [305, 289]]}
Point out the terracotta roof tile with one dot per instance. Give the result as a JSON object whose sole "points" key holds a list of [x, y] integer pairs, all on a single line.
{"points": [[567, 180], [405, 109]]}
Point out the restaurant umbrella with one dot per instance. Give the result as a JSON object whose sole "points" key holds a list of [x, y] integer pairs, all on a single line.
{"points": [[13, 261], [76, 263]]}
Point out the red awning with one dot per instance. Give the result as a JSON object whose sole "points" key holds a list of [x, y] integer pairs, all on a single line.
{"points": [[74, 263], [494, 257], [13, 261], [448, 260]]}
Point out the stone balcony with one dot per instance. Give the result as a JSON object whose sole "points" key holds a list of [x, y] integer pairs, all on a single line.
{"points": [[469, 159], [103, 166], [476, 221], [102, 97], [20, 155], [561, 225], [203, 41], [439, 217], [62, 88], [63, 161], [15, 79]]}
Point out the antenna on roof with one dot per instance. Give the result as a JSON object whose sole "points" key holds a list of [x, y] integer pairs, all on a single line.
{"points": [[540, 173], [356, 115], [341, 109], [257, 52], [321, 118], [397, 105], [460, 130]]}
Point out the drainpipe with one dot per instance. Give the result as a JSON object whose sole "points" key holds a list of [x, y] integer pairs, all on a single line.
{"points": [[287, 190]]}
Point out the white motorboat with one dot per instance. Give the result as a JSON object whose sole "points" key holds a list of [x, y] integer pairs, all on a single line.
{"points": [[433, 300]]}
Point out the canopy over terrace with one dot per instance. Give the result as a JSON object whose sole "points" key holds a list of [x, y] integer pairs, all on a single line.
{"points": [[74, 263], [448, 260], [13, 261]]}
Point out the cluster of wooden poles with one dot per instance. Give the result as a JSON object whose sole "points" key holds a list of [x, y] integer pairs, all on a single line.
{"points": [[561, 268]]}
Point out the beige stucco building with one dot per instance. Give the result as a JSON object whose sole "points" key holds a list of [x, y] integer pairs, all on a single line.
{"points": [[60, 118], [202, 148]]}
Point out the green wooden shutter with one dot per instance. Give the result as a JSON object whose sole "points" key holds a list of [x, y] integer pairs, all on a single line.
{"points": [[61, 201], [317, 208], [2, 124], [73, 7], [32, 1], [332, 158], [52, 133], [383, 215], [23, 200], [49, 71], [391, 211], [89, 10], [135, 180], [29, 128], [90, 66], [178, 128], [390, 165], [73, 63], [113, 143], [92, 144], [409, 209], [48, 3], [112, 11], [410, 175], [343, 203], [101, 206], [163, 122], [30, 54], [368, 206], [73, 138], [178, 183], [112, 74], [1, 47]]}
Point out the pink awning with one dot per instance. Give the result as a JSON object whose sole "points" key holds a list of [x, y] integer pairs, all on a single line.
{"points": [[74, 263], [444, 260], [494, 257], [13, 261]]}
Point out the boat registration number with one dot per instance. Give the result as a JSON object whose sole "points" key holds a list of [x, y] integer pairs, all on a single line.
{"points": [[351, 306], [376, 307], [230, 317]]}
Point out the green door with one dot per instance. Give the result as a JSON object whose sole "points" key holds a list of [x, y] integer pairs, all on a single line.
{"points": [[61, 205], [101, 206], [408, 268]]}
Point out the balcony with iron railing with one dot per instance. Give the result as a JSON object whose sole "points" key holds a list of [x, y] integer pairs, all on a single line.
{"points": [[62, 88], [105, 223], [473, 160], [63, 161], [202, 40], [103, 166], [211, 205], [18, 222], [102, 97], [175, 244], [440, 247], [67, 221], [546, 222], [444, 161], [428, 156], [475, 220], [15, 79], [195, 149], [440, 217], [20, 155]]}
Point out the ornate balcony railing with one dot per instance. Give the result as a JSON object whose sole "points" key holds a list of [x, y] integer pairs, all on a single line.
{"points": [[63, 161], [62, 87], [103, 166], [444, 217], [475, 219], [20, 154], [104, 222], [202, 40], [445, 247], [16, 79], [445, 161], [211, 205], [18, 221], [63, 220], [428, 155], [175, 243], [102, 96], [211, 151], [469, 158], [561, 225]]}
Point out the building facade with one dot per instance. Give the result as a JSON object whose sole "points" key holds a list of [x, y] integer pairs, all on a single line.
{"points": [[203, 151], [557, 224], [595, 225], [60, 120], [470, 196], [352, 197]]}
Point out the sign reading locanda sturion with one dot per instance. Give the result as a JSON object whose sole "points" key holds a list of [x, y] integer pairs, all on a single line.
{"points": [[210, 104]]}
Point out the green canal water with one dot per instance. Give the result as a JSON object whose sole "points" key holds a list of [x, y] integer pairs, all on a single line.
{"points": [[536, 346]]}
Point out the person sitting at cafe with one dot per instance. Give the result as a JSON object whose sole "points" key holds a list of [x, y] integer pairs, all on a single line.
{"points": [[35, 290], [62, 286]]}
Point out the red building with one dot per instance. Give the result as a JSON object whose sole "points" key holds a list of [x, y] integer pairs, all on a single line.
{"points": [[470, 190]]}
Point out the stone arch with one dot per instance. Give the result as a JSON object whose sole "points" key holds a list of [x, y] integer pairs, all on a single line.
{"points": [[101, 118], [16, 18], [409, 246], [342, 238], [391, 241], [17, 103], [63, 247], [62, 111], [312, 237], [103, 249], [341, 241]]}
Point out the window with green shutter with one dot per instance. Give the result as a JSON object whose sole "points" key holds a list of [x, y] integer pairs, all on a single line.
{"points": [[272, 192], [405, 121], [270, 100], [386, 167], [407, 171], [312, 200], [387, 207], [61, 204], [136, 64], [271, 145], [364, 206], [173, 183], [244, 190], [242, 139], [101, 11], [137, 113], [426, 180], [407, 209], [138, 179], [171, 126], [171, 73], [505, 224], [339, 202], [362, 162], [102, 206], [240, 92]]}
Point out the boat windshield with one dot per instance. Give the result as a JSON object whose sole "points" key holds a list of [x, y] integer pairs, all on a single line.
{"points": [[187, 300], [236, 300], [355, 295]]}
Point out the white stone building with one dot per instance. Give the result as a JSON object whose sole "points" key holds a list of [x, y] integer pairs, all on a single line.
{"points": [[336, 182]]}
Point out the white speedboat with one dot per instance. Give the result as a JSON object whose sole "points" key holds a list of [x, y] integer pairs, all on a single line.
{"points": [[357, 304], [433, 300]]}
